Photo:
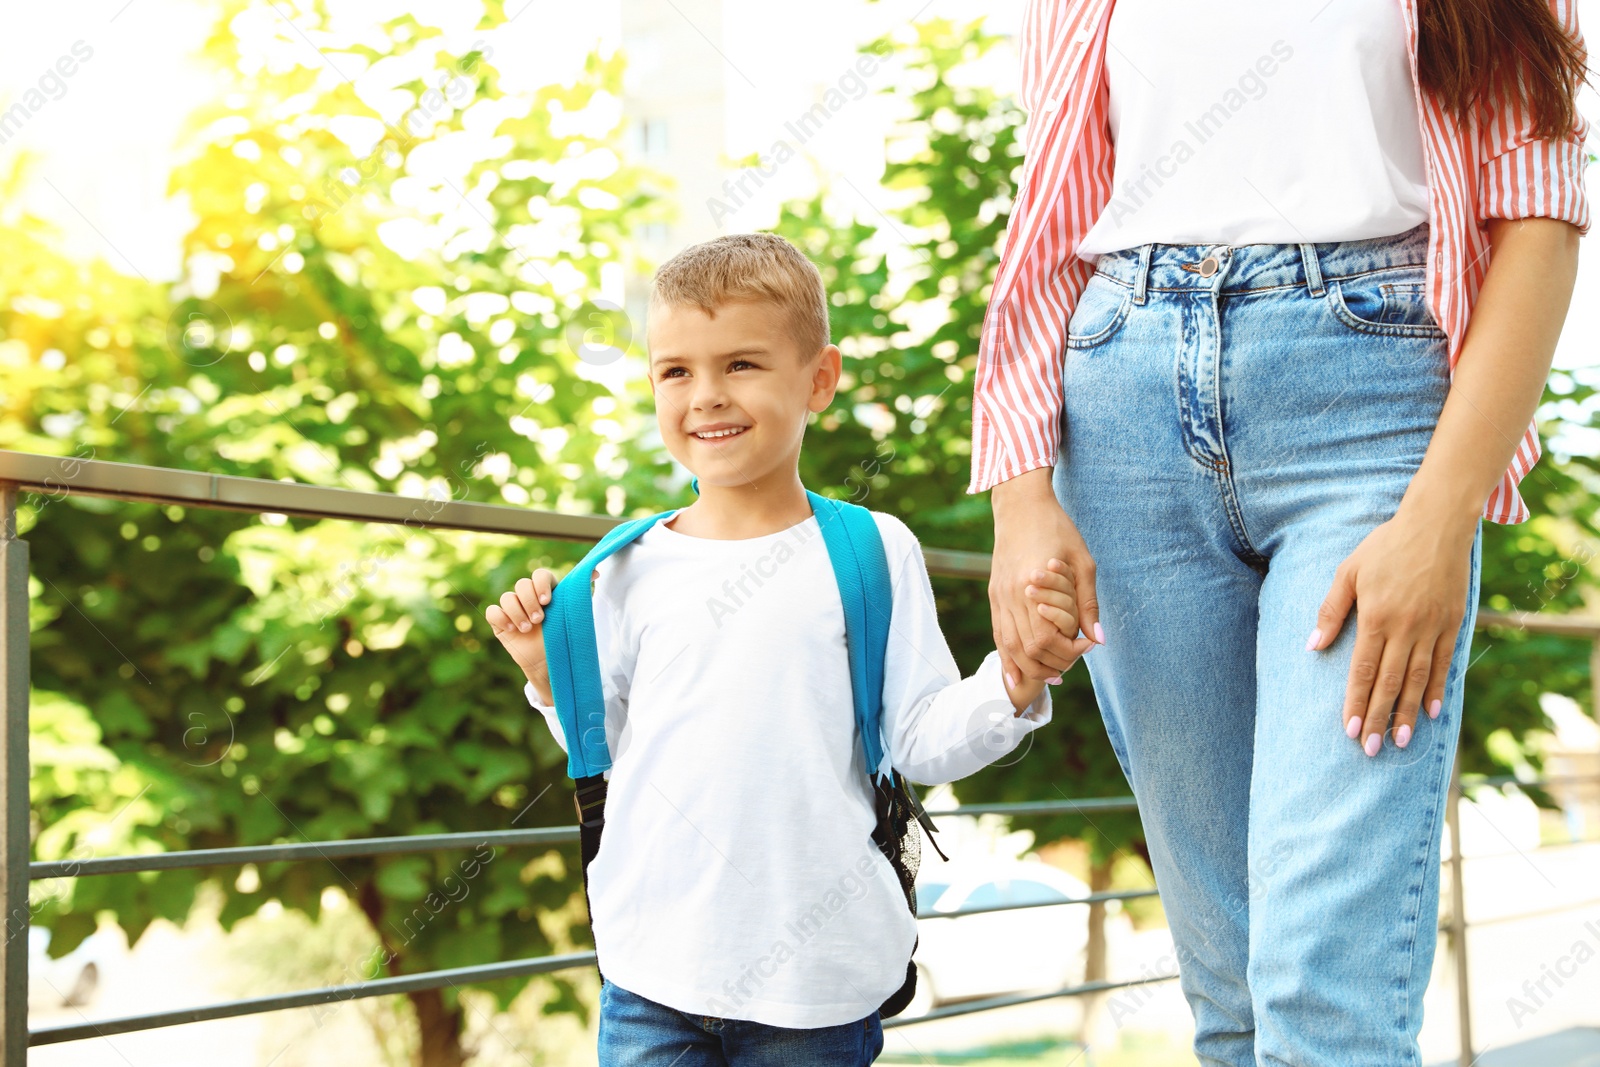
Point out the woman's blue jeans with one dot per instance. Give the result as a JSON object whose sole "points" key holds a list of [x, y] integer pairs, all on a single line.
{"points": [[1231, 431], [638, 1032]]}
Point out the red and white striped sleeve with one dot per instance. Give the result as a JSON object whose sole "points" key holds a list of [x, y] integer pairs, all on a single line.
{"points": [[1523, 176], [1066, 180]]}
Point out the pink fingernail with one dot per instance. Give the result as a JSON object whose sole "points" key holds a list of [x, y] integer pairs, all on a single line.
{"points": [[1099, 634], [1402, 736], [1313, 641], [1011, 683], [1352, 729], [1056, 680], [524, 626], [1374, 742], [1433, 709]]}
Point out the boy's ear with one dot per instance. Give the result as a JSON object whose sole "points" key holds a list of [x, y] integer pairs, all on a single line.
{"points": [[825, 379]]}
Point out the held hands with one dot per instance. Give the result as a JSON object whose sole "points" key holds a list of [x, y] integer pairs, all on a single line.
{"points": [[518, 623], [1055, 599], [1029, 527], [1410, 578], [1052, 594]]}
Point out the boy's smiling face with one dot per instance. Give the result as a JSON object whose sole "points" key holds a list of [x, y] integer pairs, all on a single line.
{"points": [[733, 390]]}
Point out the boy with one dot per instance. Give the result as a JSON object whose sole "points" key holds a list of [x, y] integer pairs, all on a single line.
{"points": [[742, 913]]}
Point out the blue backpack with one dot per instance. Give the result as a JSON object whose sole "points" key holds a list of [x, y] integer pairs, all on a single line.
{"points": [[861, 568]]}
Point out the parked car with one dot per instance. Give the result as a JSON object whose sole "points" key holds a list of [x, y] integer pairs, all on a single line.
{"points": [[70, 981], [991, 953]]}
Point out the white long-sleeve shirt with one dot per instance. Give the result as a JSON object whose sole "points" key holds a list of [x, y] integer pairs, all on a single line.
{"points": [[737, 875]]}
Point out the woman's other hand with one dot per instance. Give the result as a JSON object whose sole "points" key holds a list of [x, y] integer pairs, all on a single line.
{"points": [[1410, 577], [1411, 574]]}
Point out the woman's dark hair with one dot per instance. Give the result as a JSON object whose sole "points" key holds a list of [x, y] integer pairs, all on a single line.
{"points": [[1482, 53]]}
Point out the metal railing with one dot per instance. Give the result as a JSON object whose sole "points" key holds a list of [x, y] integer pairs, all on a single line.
{"points": [[50, 475], [1535, 623]]}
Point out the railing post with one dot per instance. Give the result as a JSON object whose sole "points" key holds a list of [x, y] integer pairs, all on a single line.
{"points": [[14, 765], [1594, 678], [1458, 916]]}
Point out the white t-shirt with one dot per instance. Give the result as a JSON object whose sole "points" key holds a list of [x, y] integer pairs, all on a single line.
{"points": [[1256, 121], [737, 875]]}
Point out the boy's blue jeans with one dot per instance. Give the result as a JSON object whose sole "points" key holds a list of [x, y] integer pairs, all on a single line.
{"points": [[635, 1032], [1231, 432]]}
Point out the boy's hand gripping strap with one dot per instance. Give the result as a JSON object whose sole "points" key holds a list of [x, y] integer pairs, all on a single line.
{"points": [[572, 658], [861, 569]]}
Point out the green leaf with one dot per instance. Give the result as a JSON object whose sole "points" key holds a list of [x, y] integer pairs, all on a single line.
{"points": [[453, 666], [118, 715], [403, 877]]}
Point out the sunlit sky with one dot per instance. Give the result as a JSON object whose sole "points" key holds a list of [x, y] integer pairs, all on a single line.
{"points": [[102, 146]]}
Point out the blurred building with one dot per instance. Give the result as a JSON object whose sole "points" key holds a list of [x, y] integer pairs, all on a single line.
{"points": [[675, 96]]}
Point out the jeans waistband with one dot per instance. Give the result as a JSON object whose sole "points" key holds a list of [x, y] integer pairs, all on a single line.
{"points": [[1246, 268]]}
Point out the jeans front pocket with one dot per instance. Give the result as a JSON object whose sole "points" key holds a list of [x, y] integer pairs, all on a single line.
{"points": [[1389, 303], [1102, 308]]}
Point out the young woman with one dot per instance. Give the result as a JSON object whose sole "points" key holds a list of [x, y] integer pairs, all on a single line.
{"points": [[1281, 288]]}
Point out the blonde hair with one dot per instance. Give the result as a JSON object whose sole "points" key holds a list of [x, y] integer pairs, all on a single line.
{"points": [[754, 267]]}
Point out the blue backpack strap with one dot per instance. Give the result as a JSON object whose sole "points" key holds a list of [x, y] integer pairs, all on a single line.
{"points": [[861, 569], [572, 656]]}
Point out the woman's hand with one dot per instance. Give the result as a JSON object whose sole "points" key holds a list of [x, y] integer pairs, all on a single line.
{"points": [[1410, 577], [1030, 528]]}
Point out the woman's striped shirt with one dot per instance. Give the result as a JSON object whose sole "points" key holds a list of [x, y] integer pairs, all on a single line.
{"points": [[1476, 171]]}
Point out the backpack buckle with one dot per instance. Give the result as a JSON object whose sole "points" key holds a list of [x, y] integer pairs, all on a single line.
{"points": [[590, 799]]}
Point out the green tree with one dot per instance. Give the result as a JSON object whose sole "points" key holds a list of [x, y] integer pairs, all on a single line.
{"points": [[1548, 564], [372, 300]]}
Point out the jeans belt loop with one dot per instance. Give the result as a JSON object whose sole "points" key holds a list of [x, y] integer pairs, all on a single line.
{"points": [[1141, 279], [1308, 253]]}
